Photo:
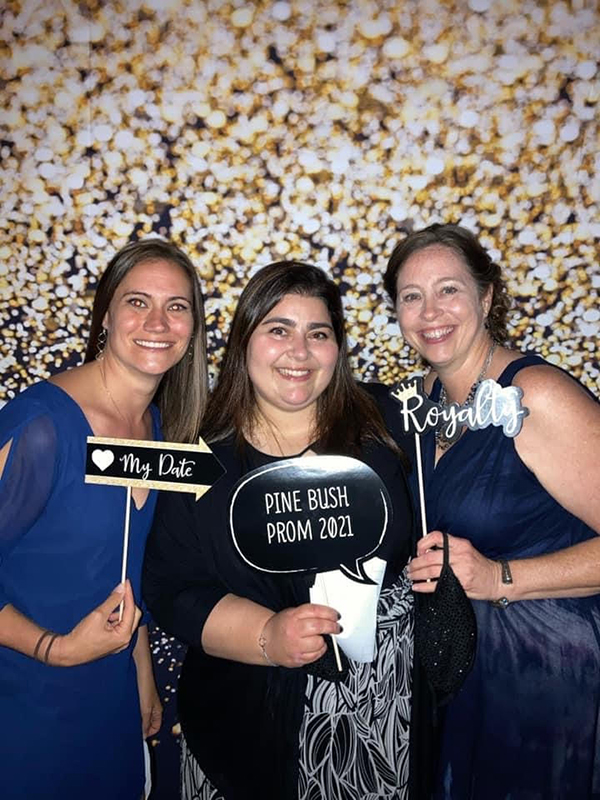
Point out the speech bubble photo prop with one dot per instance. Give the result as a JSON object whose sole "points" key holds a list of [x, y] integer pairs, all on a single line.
{"points": [[310, 515], [134, 463], [492, 404]]}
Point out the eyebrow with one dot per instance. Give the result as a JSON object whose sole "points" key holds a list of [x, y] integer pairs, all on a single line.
{"points": [[439, 280], [147, 294], [292, 324]]}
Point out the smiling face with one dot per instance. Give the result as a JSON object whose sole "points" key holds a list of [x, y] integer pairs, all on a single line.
{"points": [[291, 355], [150, 319], [439, 307]]}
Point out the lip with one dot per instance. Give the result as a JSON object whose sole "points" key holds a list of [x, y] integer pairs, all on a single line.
{"points": [[291, 374], [436, 335], [149, 344]]}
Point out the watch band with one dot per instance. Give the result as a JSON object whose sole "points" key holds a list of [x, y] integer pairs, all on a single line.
{"points": [[506, 573], [503, 602]]}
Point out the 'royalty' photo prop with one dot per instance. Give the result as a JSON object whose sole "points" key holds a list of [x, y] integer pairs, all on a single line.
{"points": [[492, 404], [310, 515], [150, 465]]}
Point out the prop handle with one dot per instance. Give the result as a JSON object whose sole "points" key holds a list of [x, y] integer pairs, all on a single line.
{"points": [[421, 487], [336, 647], [125, 546]]}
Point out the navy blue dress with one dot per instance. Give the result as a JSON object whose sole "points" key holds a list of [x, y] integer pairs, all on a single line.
{"points": [[67, 732], [525, 725]]}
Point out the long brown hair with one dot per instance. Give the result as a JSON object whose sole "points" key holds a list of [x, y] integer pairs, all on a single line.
{"points": [[182, 393], [483, 270], [346, 415]]}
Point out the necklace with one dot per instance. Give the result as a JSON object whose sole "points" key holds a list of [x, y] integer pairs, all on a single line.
{"points": [[441, 440], [110, 397]]}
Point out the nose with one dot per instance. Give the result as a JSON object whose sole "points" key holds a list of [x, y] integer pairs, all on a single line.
{"points": [[299, 347], [430, 307], [156, 319]]}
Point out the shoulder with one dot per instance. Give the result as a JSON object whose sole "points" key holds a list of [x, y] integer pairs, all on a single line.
{"points": [[227, 453], [29, 431], [376, 390], [547, 389], [563, 418], [390, 411], [35, 402], [380, 393]]}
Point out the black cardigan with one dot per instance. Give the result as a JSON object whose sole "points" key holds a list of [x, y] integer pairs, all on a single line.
{"points": [[240, 721]]}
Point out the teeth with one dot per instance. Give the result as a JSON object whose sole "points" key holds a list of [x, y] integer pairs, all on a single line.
{"points": [[153, 345], [294, 373], [437, 334]]}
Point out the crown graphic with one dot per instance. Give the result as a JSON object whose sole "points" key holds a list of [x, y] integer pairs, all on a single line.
{"points": [[402, 392]]}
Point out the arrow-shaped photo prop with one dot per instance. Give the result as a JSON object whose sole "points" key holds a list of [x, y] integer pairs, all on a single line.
{"points": [[492, 404], [312, 514], [134, 463]]}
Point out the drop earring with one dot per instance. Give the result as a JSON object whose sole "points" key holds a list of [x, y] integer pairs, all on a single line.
{"points": [[101, 344]]}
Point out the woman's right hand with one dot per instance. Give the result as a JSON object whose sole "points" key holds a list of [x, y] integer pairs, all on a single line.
{"points": [[294, 636], [100, 633]]}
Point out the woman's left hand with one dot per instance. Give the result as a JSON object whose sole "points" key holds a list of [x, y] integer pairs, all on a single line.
{"points": [[150, 705], [479, 576], [151, 709]]}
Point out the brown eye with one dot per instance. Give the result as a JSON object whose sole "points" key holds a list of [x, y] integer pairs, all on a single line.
{"points": [[410, 297]]}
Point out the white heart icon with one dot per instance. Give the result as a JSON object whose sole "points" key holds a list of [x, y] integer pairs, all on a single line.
{"points": [[103, 458]]}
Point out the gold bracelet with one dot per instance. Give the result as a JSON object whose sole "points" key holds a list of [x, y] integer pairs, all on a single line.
{"points": [[262, 643]]}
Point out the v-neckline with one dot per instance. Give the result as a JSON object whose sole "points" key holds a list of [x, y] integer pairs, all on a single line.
{"points": [[466, 430], [136, 508]]}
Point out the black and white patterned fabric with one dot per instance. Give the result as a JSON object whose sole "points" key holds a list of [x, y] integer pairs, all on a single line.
{"points": [[354, 736]]}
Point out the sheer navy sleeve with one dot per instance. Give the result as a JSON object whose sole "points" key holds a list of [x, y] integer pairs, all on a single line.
{"points": [[27, 479]]}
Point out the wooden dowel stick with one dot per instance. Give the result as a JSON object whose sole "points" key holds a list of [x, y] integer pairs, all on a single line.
{"points": [[125, 546], [336, 648], [421, 487]]}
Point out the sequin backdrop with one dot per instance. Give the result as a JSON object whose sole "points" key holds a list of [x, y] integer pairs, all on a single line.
{"points": [[313, 129]]}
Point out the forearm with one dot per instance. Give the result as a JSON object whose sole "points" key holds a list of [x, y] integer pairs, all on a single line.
{"points": [[142, 657], [572, 572], [19, 632], [150, 706], [233, 628]]}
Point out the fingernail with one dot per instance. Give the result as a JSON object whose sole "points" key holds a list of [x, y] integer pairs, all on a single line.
{"points": [[120, 588]]}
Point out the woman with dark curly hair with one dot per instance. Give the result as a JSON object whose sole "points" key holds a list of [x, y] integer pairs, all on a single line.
{"points": [[523, 517]]}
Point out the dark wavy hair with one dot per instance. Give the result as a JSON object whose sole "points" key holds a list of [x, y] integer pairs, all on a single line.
{"points": [[346, 415], [182, 393], [484, 271]]}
